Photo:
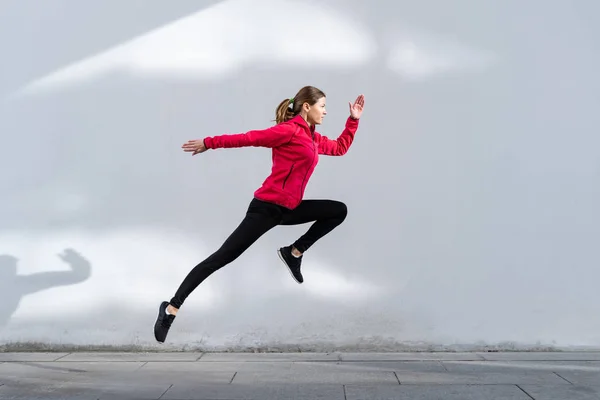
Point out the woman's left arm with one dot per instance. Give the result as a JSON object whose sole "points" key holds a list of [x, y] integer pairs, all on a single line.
{"points": [[340, 146]]}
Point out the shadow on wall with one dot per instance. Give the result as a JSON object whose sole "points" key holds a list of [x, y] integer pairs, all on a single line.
{"points": [[14, 287]]}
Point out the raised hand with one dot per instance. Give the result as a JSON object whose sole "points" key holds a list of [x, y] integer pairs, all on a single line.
{"points": [[195, 146], [356, 109]]}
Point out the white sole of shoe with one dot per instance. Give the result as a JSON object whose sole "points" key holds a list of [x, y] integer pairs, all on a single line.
{"points": [[287, 266]]}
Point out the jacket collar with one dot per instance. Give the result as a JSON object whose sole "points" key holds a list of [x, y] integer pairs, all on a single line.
{"points": [[301, 121]]}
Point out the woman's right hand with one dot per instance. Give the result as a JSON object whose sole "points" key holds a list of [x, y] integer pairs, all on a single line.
{"points": [[195, 146]]}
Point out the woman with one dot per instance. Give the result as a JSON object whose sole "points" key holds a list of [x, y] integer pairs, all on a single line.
{"points": [[296, 147]]}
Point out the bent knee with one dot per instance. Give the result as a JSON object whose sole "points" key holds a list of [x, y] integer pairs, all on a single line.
{"points": [[342, 210]]}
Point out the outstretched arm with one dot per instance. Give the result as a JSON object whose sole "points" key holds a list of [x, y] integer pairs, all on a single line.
{"points": [[270, 137]]}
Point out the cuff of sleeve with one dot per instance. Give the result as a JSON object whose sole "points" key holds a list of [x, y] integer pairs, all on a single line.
{"points": [[352, 121]]}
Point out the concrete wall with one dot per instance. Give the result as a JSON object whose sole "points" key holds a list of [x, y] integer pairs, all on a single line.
{"points": [[472, 185]]}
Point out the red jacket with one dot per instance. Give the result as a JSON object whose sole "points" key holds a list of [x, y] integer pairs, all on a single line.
{"points": [[296, 149]]}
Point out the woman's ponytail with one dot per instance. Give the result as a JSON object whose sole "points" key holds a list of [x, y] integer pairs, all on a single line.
{"points": [[284, 112]]}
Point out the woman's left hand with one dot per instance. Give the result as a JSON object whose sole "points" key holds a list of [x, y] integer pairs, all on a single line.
{"points": [[356, 109]]}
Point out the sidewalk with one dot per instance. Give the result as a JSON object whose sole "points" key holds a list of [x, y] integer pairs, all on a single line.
{"points": [[335, 376]]}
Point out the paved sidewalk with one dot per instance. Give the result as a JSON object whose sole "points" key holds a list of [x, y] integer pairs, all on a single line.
{"points": [[335, 376]]}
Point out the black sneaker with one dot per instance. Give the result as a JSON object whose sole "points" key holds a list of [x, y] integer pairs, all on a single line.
{"points": [[293, 263], [163, 322]]}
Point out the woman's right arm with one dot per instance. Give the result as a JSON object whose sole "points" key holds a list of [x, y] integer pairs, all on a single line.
{"points": [[270, 137]]}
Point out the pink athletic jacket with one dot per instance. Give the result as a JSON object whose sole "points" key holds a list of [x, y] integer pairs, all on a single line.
{"points": [[296, 149]]}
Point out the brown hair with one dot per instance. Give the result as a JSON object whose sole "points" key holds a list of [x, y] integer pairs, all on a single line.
{"points": [[308, 94]]}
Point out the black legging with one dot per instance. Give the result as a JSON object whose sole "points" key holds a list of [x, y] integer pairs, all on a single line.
{"points": [[260, 218]]}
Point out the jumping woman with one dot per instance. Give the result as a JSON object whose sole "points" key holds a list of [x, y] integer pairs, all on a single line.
{"points": [[279, 201]]}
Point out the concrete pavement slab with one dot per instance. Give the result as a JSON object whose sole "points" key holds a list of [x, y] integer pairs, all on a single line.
{"points": [[312, 372], [342, 373], [415, 356], [25, 369], [589, 367], [541, 356], [18, 356], [247, 373], [198, 373], [486, 373], [191, 367], [72, 380], [142, 356], [269, 357], [417, 372], [255, 392], [402, 370], [73, 389], [562, 392], [579, 377], [435, 392], [574, 372]]}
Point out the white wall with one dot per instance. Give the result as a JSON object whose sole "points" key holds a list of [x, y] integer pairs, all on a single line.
{"points": [[472, 185]]}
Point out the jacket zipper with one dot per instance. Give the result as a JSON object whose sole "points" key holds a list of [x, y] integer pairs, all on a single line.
{"points": [[288, 175], [313, 160]]}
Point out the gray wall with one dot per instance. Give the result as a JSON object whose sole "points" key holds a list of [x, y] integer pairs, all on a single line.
{"points": [[472, 185]]}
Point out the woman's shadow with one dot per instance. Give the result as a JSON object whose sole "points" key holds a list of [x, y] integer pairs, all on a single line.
{"points": [[13, 287]]}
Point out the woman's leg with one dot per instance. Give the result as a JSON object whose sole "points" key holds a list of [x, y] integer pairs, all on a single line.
{"points": [[259, 219], [327, 214]]}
